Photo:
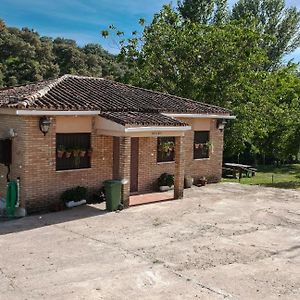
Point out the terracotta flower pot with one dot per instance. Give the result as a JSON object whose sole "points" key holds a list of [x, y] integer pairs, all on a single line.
{"points": [[60, 154], [89, 153], [68, 154], [76, 153], [82, 153], [202, 182]]}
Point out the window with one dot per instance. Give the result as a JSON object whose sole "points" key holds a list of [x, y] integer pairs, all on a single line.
{"points": [[73, 151], [165, 149], [201, 144]]}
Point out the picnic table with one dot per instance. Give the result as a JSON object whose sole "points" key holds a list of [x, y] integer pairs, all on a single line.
{"points": [[239, 169]]}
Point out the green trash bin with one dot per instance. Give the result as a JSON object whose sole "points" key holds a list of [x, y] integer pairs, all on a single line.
{"points": [[11, 198], [113, 194]]}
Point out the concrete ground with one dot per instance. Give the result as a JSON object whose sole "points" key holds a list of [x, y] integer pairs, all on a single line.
{"points": [[221, 241]]}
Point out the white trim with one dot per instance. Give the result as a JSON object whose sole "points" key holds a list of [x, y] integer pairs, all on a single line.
{"points": [[22, 112], [204, 158], [73, 170], [157, 129], [201, 116], [165, 162]]}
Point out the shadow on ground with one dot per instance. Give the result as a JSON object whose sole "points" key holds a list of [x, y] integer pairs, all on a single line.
{"points": [[37, 221]]}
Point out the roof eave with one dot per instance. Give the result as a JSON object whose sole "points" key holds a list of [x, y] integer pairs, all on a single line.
{"points": [[57, 112], [200, 116]]}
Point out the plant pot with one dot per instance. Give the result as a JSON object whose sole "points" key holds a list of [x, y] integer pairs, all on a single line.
{"points": [[82, 153], [75, 203], [89, 153], [76, 153], [188, 182], [68, 154], [202, 182], [60, 154], [165, 188]]}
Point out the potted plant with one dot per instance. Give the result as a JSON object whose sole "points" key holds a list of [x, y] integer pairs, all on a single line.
{"points": [[60, 151], [166, 182], [202, 181], [74, 197], [82, 153], [76, 152], [68, 153], [188, 181], [209, 146], [89, 152], [167, 148]]}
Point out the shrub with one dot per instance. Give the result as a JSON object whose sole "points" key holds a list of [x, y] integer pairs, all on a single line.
{"points": [[166, 179], [74, 194]]}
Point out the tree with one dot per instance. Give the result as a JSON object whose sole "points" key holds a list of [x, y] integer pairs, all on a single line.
{"points": [[220, 64], [204, 11], [283, 138], [26, 57], [272, 18]]}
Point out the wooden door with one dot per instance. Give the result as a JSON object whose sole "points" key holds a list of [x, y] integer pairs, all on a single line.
{"points": [[134, 165]]}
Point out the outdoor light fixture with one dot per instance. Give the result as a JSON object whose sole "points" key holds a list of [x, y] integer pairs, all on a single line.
{"points": [[44, 124], [221, 124]]}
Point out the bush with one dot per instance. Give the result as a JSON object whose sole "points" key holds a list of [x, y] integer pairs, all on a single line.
{"points": [[166, 179], [74, 194]]}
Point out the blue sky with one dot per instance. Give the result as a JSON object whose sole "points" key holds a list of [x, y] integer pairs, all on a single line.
{"points": [[82, 20]]}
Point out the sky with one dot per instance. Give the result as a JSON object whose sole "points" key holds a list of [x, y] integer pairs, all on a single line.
{"points": [[83, 20]]}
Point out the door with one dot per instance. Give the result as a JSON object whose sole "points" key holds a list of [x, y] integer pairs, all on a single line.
{"points": [[134, 165]]}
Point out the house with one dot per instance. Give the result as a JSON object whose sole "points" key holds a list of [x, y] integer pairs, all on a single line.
{"points": [[121, 132]]}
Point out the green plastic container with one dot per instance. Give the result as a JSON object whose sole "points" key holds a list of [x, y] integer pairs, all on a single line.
{"points": [[112, 194], [11, 198]]}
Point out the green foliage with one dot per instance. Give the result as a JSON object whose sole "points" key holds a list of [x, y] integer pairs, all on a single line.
{"points": [[222, 64], [26, 57], [166, 179], [271, 17], [75, 194], [204, 11], [285, 176]]}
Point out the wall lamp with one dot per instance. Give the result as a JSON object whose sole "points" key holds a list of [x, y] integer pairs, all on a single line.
{"points": [[221, 124], [44, 124]]}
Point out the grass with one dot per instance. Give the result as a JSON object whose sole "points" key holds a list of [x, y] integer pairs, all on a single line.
{"points": [[286, 177]]}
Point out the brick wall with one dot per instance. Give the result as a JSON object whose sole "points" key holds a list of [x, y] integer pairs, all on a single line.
{"points": [[18, 150], [210, 168], [34, 157], [150, 170]]}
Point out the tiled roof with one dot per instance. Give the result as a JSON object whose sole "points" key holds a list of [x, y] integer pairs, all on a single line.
{"points": [[141, 119], [88, 93]]}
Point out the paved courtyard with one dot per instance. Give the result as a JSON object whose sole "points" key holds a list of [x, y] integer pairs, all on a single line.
{"points": [[221, 241]]}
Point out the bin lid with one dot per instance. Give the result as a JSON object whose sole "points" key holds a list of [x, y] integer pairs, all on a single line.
{"points": [[112, 182]]}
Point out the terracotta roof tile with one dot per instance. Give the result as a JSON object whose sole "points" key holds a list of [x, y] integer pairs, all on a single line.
{"points": [[141, 119], [88, 93]]}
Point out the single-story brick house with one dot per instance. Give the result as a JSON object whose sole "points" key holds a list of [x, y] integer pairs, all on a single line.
{"points": [[132, 133]]}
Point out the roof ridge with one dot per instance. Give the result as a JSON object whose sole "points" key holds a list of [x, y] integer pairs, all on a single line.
{"points": [[41, 92]]}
